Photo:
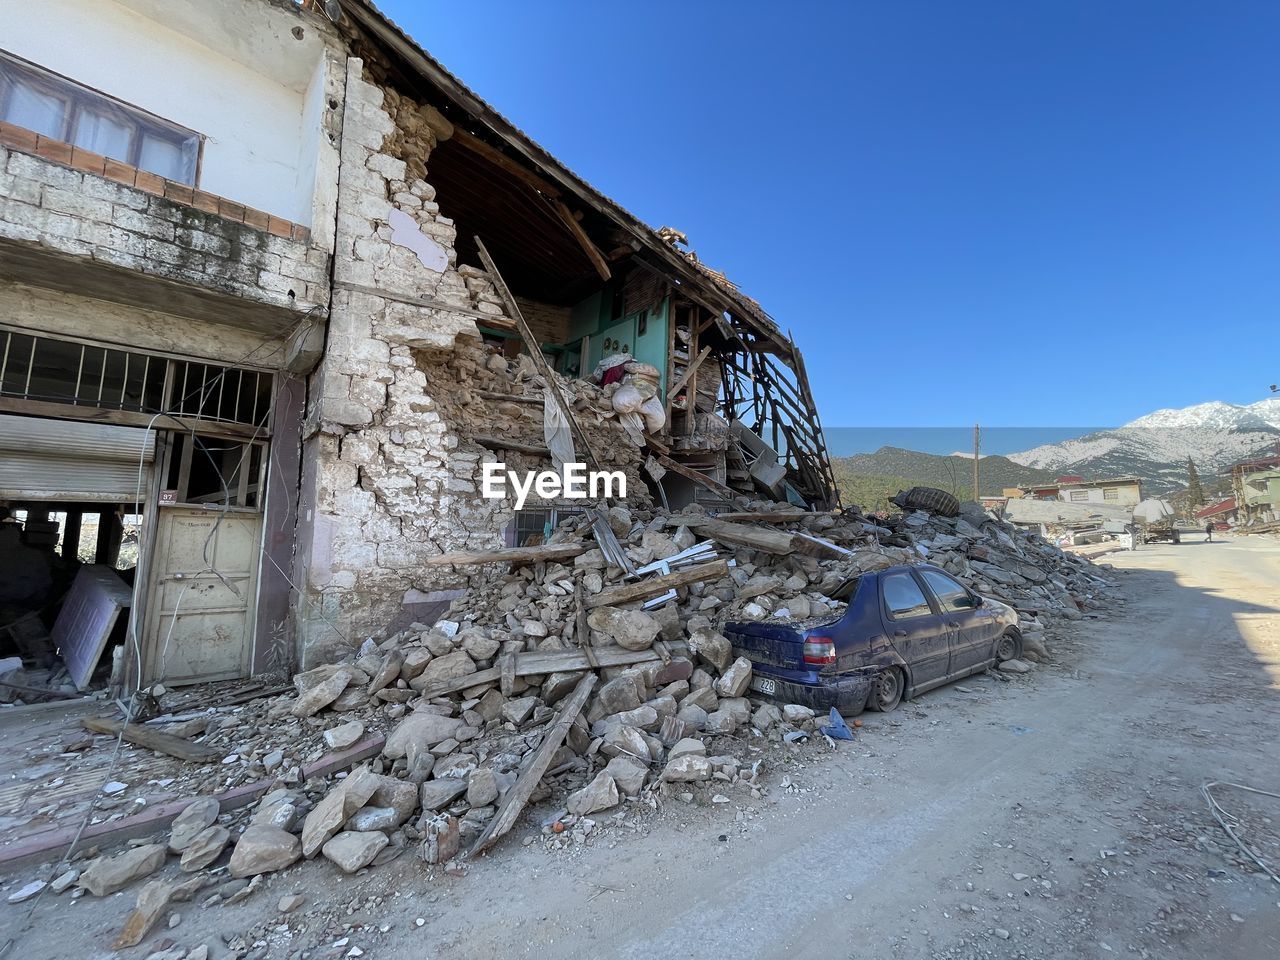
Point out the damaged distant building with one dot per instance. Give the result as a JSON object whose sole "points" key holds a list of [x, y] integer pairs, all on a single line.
{"points": [[253, 360]]}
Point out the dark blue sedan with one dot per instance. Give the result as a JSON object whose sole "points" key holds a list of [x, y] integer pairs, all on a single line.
{"points": [[907, 629]]}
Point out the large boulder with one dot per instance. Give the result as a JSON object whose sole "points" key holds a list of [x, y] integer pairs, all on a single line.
{"points": [[437, 794], [688, 767], [627, 741], [644, 717], [352, 851], [106, 875], [420, 728], [195, 817], [344, 734], [338, 804], [620, 694], [628, 773], [205, 848], [736, 679], [451, 666], [600, 794], [264, 849], [323, 693], [711, 647], [629, 629]]}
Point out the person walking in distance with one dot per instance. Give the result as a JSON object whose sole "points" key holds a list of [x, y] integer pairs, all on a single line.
{"points": [[1208, 532]]}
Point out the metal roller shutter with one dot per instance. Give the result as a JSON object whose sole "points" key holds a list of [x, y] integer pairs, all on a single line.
{"points": [[44, 459]]}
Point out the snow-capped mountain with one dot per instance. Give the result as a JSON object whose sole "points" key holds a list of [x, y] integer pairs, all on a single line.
{"points": [[1156, 447]]}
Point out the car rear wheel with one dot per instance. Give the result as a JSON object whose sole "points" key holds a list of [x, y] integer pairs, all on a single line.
{"points": [[1009, 647], [888, 692]]}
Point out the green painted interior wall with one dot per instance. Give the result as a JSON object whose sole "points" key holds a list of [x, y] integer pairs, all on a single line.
{"points": [[590, 318]]}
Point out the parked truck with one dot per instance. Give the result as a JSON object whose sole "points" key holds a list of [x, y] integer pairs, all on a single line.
{"points": [[1156, 521]]}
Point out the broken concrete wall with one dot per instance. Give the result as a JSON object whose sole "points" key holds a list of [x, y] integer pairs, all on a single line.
{"points": [[391, 470]]}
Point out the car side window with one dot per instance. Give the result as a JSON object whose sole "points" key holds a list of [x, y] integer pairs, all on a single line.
{"points": [[904, 598], [951, 594]]}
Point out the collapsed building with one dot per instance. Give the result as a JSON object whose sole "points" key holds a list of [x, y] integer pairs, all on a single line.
{"points": [[259, 343]]}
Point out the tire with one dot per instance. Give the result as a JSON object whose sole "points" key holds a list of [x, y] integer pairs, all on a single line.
{"points": [[929, 499], [1009, 646], [887, 693]]}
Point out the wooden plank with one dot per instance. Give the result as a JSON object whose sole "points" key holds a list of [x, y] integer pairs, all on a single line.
{"points": [[538, 662], [656, 585], [499, 443], [518, 796], [688, 374], [501, 323], [590, 249], [697, 476], [535, 352], [774, 517], [142, 736], [581, 632], [87, 617], [508, 397], [653, 443], [52, 844], [545, 551], [781, 542]]}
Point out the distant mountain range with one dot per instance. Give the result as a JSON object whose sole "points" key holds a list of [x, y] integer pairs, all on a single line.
{"points": [[869, 479], [1155, 447]]}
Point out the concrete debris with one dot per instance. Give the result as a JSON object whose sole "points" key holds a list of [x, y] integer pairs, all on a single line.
{"points": [[461, 708]]}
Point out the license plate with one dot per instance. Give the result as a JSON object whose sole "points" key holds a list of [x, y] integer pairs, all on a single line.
{"points": [[764, 685]]}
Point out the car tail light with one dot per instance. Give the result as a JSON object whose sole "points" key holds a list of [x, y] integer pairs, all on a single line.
{"points": [[820, 651]]}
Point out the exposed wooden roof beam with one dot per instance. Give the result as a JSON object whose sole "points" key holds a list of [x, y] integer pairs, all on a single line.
{"points": [[590, 249], [500, 159]]}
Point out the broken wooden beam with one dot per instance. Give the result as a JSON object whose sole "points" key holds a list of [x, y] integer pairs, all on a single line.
{"points": [[142, 736], [537, 662], [545, 551], [654, 586], [697, 476], [509, 397], [535, 352], [688, 373], [518, 796], [588, 247], [66, 841], [766, 539], [500, 443], [780, 516]]}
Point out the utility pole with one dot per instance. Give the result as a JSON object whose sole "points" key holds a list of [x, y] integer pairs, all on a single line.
{"points": [[976, 443]]}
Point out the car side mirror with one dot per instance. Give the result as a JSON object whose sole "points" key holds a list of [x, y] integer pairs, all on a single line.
{"points": [[975, 601]]}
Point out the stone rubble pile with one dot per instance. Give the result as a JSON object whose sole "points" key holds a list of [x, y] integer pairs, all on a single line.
{"points": [[672, 717]]}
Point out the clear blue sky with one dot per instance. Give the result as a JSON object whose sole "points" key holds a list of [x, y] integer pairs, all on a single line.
{"points": [[1024, 214]]}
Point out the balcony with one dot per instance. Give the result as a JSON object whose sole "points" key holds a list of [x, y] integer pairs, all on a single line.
{"points": [[75, 221]]}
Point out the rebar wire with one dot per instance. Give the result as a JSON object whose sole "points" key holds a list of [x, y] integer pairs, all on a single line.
{"points": [[1227, 821]]}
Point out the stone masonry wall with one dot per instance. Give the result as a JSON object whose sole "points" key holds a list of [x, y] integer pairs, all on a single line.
{"points": [[392, 472], [84, 214]]}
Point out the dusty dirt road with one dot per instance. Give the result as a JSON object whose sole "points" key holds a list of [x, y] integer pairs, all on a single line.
{"points": [[1055, 815]]}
